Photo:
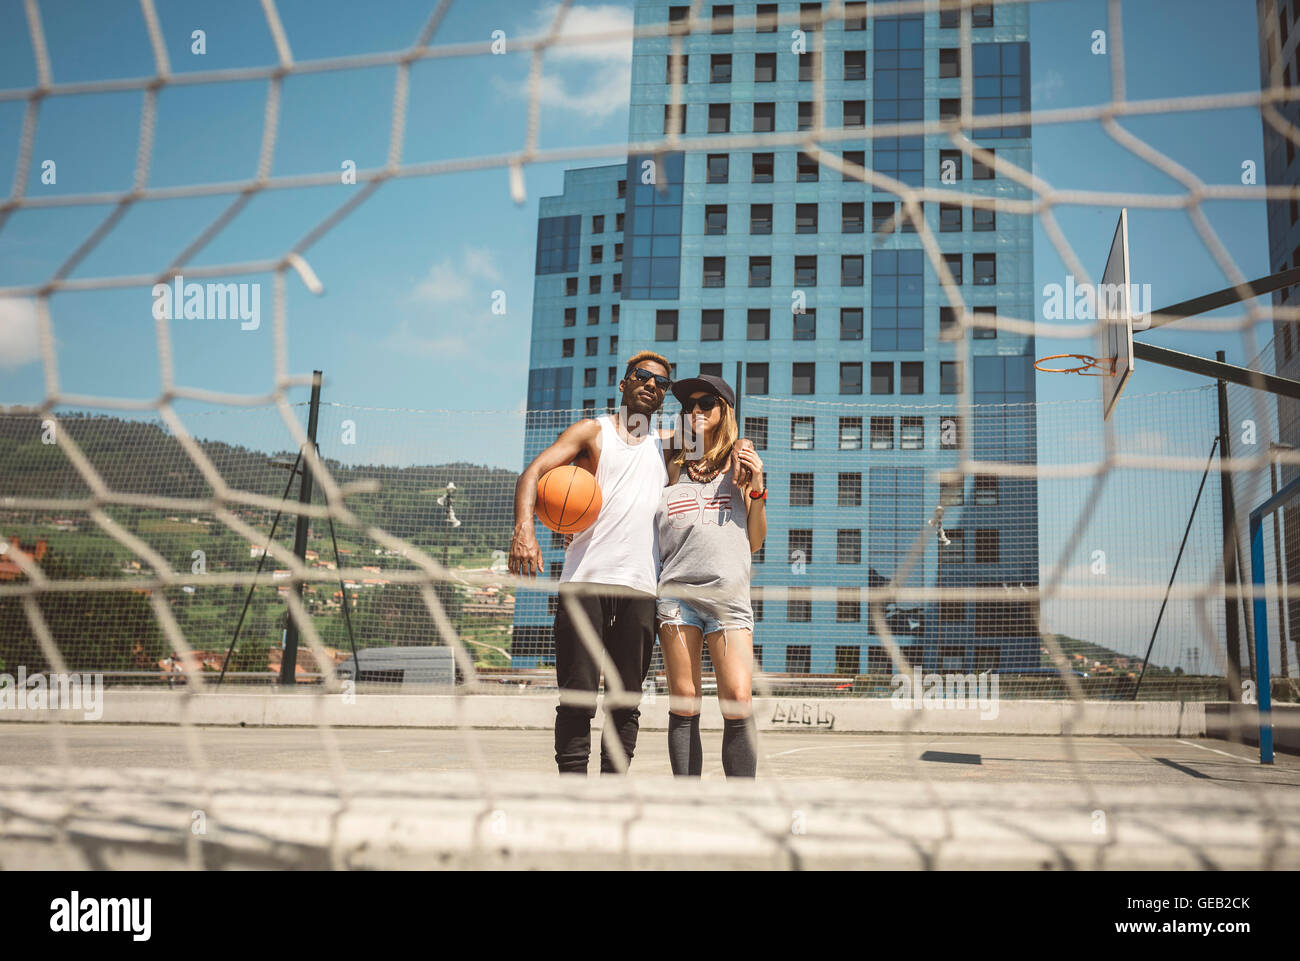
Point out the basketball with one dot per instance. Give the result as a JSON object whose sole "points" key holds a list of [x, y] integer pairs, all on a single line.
{"points": [[568, 499]]}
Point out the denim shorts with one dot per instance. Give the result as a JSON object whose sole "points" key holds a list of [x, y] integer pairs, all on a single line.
{"points": [[674, 611]]}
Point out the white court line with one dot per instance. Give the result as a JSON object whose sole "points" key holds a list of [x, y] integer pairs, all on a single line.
{"points": [[1235, 757]]}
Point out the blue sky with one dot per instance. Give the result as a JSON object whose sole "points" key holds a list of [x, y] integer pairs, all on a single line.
{"points": [[405, 319]]}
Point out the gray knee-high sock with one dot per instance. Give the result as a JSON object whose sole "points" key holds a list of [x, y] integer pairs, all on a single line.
{"points": [[739, 747], [685, 753]]}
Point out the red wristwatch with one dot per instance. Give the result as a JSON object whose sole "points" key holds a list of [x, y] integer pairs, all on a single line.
{"points": [[758, 495]]}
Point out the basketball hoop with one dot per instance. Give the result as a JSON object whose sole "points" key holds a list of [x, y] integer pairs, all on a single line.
{"points": [[1106, 365]]}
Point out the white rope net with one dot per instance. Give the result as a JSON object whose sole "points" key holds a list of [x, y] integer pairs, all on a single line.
{"points": [[103, 517]]}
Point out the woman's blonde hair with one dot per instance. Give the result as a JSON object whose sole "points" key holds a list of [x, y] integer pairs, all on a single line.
{"points": [[724, 437]]}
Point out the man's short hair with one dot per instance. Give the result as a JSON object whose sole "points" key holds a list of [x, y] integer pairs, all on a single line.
{"points": [[641, 357]]}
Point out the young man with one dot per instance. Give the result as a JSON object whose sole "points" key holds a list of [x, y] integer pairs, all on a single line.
{"points": [[625, 452]]}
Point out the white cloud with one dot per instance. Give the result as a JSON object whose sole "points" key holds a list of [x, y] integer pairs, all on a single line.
{"points": [[454, 308], [20, 333], [593, 79]]}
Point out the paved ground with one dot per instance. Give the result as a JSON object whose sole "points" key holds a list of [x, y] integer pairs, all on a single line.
{"points": [[816, 755]]}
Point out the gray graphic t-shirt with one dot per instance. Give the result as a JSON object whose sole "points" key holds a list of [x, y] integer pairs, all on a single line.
{"points": [[704, 544]]}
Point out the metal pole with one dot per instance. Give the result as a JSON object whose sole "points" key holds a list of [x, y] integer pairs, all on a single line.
{"points": [[1263, 694], [1229, 522], [289, 662], [1279, 573]]}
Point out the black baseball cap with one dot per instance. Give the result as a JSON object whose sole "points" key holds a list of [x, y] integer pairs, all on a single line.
{"points": [[683, 389]]}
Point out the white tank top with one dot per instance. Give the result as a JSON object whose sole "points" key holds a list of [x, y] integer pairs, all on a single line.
{"points": [[621, 547]]}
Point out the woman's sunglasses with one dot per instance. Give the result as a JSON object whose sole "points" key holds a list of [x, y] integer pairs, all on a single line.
{"points": [[702, 404], [660, 380]]}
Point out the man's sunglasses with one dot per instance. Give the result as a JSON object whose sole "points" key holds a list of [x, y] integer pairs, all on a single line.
{"points": [[703, 404], [662, 382]]}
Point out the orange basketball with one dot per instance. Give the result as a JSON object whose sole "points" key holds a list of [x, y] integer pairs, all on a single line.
{"points": [[568, 499]]}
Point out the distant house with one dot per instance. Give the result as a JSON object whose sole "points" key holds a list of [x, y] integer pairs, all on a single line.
{"points": [[9, 569]]}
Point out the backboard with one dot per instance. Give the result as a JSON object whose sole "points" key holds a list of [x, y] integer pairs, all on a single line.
{"points": [[1115, 318]]}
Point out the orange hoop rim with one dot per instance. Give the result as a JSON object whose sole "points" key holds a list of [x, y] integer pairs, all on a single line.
{"points": [[1088, 362]]}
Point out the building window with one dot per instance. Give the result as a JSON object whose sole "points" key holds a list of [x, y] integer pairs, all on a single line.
{"points": [[622, 188], [665, 325], [570, 286], [949, 62], [761, 166], [722, 18], [882, 433], [850, 323], [801, 490], [593, 284], [760, 218], [948, 329], [598, 224], [805, 325], [949, 377], [949, 109], [882, 377], [851, 218], [805, 271], [911, 433], [713, 370], [766, 22], [803, 433], [897, 300], [986, 546], [950, 19], [954, 267], [851, 377], [616, 282], [589, 377], [711, 325], [720, 68], [715, 271], [810, 63], [613, 313], [558, 240], [805, 218], [715, 219], [979, 170], [756, 431], [800, 545], [798, 609], [986, 490], [764, 117], [1001, 73], [882, 217], [855, 113], [593, 346], [719, 118], [566, 347], [949, 166], [759, 325], [983, 218], [806, 171], [949, 430], [954, 552], [981, 15], [950, 218], [987, 323], [985, 268], [851, 271], [850, 433], [848, 547], [850, 489], [803, 378], [680, 112], [855, 16], [717, 168], [951, 493], [899, 73], [855, 65], [760, 271], [618, 253], [806, 119], [911, 379], [677, 18], [612, 374], [570, 316], [854, 163], [593, 315], [764, 68], [618, 223], [756, 378]]}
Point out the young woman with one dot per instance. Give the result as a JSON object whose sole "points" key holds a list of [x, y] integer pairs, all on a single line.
{"points": [[708, 523]]}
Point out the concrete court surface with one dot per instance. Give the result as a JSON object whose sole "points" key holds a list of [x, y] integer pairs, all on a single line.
{"points": [[818, 755]]}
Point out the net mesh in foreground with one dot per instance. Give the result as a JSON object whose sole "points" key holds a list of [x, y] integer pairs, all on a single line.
{"points": [[119, 553]]}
